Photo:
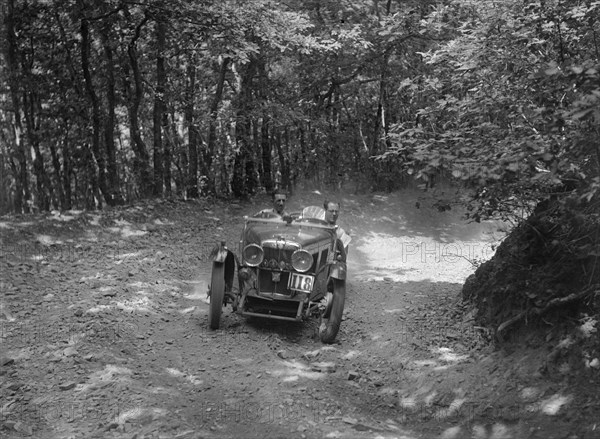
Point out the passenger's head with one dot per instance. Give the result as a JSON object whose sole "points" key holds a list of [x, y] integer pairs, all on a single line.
{"points": [[332, 211], [279, 199]]}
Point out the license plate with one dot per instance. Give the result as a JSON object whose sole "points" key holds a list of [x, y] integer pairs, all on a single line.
{"points": [[301, 282]]}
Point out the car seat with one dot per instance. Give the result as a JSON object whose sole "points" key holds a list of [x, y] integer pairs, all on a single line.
{"points": [[313, 212]]}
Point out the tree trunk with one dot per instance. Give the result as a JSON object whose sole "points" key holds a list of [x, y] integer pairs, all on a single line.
{"points": [[42, 184], [18, 201], [182, 162], [67, 169], [303, 156], [258, 172], [243, 169], [251, 183], [96, 116], [168, 147], [212, 124], [285, 168], [19, 168], [314, 163], [109, 121], [70, 64], [58, 174], [141, 163], [238, 186], [93, 198], [161, 79], [177, 154], [265, 143], [192, 168], [380, 116], [5, 200], [283, 163]]}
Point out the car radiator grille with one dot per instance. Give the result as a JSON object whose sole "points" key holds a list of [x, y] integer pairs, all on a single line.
{"points": [[277, 255], [266, 284], [274, 257]]}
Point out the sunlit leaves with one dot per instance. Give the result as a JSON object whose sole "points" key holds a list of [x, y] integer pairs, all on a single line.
{"points": [[512, 92]]}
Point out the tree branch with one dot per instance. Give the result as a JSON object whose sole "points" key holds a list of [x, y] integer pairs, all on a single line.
{"points": [[574, 297]]}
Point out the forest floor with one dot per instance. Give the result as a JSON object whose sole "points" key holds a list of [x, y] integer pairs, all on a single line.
{"points": [[104, 334]]}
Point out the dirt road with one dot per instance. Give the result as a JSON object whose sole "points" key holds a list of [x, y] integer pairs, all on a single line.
{"points": [[104, 334]]}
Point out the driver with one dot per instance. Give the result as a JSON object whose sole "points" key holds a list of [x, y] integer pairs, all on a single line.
{"points": [[332, 213], [279, 200]]}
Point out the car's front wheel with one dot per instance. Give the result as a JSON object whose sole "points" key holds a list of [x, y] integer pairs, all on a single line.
{"points": [[217, 293], [332, 316]]}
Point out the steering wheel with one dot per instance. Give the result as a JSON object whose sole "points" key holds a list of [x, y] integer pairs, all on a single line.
{"points": [[267, 215]]}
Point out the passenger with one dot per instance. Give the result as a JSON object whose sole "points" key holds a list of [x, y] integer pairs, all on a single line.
{"points": [[332, 213]]}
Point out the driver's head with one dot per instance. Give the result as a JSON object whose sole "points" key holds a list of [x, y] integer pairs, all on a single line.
{"points": [[332, 211], [279, 199]]}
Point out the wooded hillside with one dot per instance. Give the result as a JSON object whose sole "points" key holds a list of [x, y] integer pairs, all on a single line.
{"points": [[110, 101]]}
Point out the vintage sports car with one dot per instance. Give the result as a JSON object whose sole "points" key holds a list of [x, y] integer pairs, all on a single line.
{"points": [[288, 268]]}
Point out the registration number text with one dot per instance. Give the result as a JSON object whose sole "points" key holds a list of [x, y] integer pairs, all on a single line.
{"points": [[301, 282]]}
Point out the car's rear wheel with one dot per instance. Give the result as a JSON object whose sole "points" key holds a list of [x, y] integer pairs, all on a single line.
{"points": [[217, 293], [332, 316]]}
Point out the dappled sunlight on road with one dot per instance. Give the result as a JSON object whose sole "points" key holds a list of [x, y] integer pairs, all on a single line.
{"points": [[198, 287], [293, 370], [188, 310], [126, 231], [110, 374], [448, 356], [401, 259], [192, 379], [124, 256], [464, 412], [552, 405], [198, 291], [134, 413], [394, 241], [351, 354]]}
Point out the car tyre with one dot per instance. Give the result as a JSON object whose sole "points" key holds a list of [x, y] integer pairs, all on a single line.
{"points": [[217, 293], [332, 316]]}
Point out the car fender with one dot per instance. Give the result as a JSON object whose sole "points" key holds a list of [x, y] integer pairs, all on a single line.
{"points": [[220, 254], [338, 270]]}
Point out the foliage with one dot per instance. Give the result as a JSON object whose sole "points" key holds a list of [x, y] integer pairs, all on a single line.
{"points": [[501, 98], [551, 264], [511, 107], [208, 95], [512, 113]]}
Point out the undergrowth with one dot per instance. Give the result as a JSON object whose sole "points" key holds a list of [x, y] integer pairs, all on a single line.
{"points": [[545, 272]]}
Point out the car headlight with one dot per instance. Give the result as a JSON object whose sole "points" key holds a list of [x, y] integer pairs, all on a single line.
{"points": [[253, 254], [302, 260]]}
